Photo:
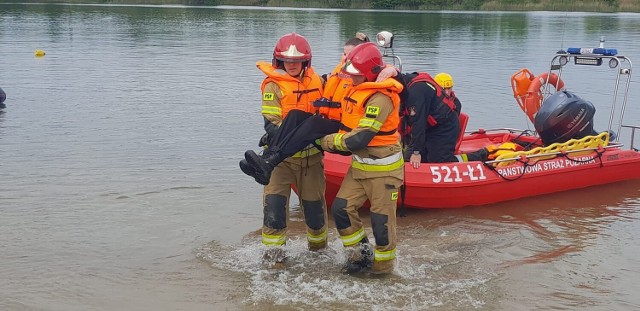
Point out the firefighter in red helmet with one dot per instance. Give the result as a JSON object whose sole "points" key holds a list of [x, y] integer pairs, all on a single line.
{"points": [[291, 86], [300, 129], [368, 132], [370, 117]]}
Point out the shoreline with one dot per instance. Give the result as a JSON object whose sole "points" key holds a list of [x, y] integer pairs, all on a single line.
{"points": [[600, 6]]}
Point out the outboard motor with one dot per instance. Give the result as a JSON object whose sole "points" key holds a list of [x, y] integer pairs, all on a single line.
{"points": [[564, 116]]}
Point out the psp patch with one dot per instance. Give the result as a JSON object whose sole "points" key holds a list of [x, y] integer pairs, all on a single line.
{"points": [[372, 112], [394, 196], [268, 96]]}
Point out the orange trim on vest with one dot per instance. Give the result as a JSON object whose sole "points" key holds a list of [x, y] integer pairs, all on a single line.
{"points": [[296, 94], [353, 109]]}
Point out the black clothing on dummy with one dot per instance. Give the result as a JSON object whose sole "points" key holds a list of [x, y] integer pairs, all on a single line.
{"points": [[299, 129]]}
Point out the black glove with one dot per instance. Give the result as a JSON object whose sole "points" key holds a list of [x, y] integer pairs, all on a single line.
{"points": [[323, 102], [264, 140]]}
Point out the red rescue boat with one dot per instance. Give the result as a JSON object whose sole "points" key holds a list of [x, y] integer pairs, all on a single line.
{"points": [[451, 185], [573, 164]]}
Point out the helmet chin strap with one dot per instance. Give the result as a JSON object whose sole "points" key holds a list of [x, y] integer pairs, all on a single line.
{"points": [[300, 76]]}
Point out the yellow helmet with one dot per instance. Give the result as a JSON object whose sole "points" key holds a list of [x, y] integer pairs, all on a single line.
{"points": [[444, 80]]}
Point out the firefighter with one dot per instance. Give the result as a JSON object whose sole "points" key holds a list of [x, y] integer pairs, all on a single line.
{"points": [[299, 129], [445, 81], [291, 86], [370, 118], [430, 119]]}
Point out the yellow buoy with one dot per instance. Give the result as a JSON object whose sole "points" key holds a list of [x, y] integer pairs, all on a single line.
{"points": [[39, 53]]}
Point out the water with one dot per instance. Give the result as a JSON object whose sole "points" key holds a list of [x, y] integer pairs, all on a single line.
{"points": [[119, 186]]}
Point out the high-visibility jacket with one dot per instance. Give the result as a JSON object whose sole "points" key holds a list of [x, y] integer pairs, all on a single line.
{"points": [[296, 94], [354, 112]]}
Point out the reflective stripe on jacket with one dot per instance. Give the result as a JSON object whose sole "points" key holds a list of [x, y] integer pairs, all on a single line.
{"points": [[354, 112]]}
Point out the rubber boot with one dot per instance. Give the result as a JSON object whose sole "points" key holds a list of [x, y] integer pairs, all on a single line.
{"points": [[359, 257], [249, 170], [275, 257], [382, 266], [316, 246], [263, 165]]}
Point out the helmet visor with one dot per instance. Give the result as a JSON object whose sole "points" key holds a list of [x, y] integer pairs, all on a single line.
{"points": [[349, 69], [292, 55], [291, 60]]}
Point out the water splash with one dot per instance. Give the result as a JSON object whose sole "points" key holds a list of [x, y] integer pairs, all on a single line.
{"points": [[312, 280]]}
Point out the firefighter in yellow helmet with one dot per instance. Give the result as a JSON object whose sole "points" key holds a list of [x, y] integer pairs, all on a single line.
{"points": [[445, 81], [430, 122], [290, 88], [431, 118], [370, 118]]}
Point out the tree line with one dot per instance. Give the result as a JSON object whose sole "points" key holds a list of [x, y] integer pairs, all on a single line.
{"points": [[472, 5]]}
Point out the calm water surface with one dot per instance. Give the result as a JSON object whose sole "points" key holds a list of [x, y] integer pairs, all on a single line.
{"points": [[119, 186]]}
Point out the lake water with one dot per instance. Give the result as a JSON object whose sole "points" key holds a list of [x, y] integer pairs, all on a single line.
{"points": [[119, 185]]}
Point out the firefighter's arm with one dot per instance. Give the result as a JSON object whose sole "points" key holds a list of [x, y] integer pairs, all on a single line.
{"points": [[387, 72], [377, 109], [458, 104], [271, 107]]}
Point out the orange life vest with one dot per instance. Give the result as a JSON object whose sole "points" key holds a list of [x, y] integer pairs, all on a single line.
{"points": [[353, 109], [336, 86], [296, 94], [334, 90]]}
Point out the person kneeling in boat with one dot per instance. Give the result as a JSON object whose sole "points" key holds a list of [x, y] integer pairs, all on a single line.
{"points": [[430, 118]]}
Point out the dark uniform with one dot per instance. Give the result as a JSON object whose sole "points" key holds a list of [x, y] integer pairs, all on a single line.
{"points": [[434, 125]]}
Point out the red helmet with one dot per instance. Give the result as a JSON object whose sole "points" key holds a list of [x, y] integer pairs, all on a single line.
{"points": [[364, 60], [292, 48]]}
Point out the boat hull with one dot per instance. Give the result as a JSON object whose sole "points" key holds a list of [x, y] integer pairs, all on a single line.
{"points": [[454, 185]]}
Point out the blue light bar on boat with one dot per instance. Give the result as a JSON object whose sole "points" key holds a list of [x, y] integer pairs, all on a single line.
{"points": [[593, 51]]}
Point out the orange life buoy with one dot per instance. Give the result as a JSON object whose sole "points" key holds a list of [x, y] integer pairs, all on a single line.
{"points": [[520, 82], [533, 99]]}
